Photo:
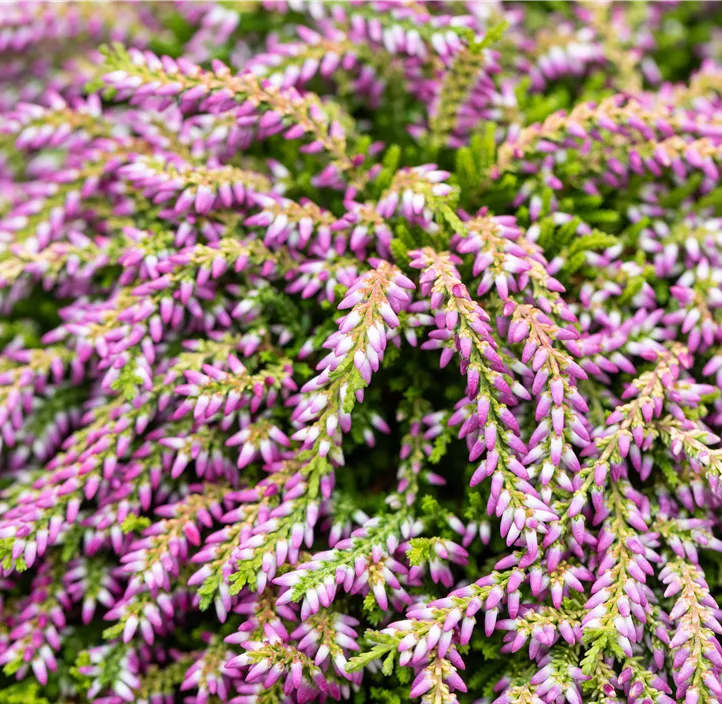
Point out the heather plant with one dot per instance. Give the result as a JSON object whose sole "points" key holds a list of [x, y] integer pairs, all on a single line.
{"points": [[364, 351]]}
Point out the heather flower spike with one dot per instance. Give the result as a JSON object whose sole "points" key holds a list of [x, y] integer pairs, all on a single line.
{"points": [[363, 351]]}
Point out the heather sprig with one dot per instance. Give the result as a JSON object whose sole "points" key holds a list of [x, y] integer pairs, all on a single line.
{"points": [[361, 351]]}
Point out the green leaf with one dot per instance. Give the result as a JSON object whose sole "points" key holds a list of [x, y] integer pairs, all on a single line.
{"points": [[392, 158], [382, 646], [113, 631], [466, 170], [633, 287], [493, 35], [27, 692], [135, 524], [453, 220], [399, 252], [441, 445], [595, 241], [388, 666], [574, 263]]}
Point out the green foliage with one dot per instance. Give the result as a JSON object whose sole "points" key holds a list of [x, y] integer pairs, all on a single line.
{"points": [[6, 558], [26, 692], [598, 641], [538, 106], [128, 382], [459, 80], [484, 678], [441, 444], [595, 241], [421, 550], [489, 649], [565, 184], [390, 162], [565, 242], [135, 524], [472, 164], [389, 696], [382, 647], [402, 243], [83, 682], [712, 200], [635, 284], [179, 31], [430, 506], [452, 220], [71, 543]]}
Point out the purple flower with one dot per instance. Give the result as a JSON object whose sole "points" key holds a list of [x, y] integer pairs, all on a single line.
{"points": [[347, 344]]}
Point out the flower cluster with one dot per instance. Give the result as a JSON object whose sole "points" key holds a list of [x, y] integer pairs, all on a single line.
{"points": [[364, 351]]}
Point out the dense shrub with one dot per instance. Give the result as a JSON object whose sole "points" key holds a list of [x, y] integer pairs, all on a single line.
{"points": [[360, 351]]}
